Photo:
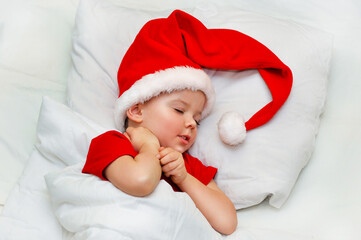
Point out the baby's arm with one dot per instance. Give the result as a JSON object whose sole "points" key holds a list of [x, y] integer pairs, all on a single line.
{"points": [[210, 200], [213, 204], [140, 175]]}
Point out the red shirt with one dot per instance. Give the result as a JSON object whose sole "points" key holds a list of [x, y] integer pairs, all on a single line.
{"points": [[109, 146]]}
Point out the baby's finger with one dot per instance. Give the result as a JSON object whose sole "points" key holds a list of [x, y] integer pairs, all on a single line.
{"points": [[166, 159], [166, 174], [169, 166], [165, 151], [176, 174]]}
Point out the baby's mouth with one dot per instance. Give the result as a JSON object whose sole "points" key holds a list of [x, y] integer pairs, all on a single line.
{"points": [[184, 138]]}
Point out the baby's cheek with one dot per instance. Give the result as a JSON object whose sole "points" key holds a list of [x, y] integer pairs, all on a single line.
{"points": [[171, 125]]}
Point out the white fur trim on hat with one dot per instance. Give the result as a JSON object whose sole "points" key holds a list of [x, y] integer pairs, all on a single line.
{"points": [[231, 128], [168, 80]]}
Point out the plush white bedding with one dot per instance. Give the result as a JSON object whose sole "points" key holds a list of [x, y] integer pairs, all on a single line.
{"points": [[261, 166], [35, 60]]}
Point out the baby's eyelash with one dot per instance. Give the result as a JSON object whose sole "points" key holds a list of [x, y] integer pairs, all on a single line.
{"points": [[181, 111], [178, 110]]}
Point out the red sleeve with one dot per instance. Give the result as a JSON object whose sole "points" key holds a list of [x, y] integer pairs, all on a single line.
{"points": [[104, 149], [196, 168]]}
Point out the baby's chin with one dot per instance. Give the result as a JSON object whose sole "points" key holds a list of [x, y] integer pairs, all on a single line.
{"points": [[180, 149]]}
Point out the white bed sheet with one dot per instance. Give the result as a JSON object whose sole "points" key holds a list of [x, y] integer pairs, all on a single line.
{"points": [[326, 201]]}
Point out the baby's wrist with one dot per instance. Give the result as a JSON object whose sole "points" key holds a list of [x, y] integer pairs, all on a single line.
{"points": [[150, 147], [181, 184]]}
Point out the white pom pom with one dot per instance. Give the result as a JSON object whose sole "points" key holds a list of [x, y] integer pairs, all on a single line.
{"points": [[231, 128]]}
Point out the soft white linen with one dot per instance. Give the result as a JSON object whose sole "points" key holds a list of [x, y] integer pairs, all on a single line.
{"points": [[325, 203], [269, 161], [86, 206], [35, 43], [111, 214]]}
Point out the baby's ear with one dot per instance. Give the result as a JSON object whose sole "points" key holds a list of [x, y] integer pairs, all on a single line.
{"points": [[134, 113]]}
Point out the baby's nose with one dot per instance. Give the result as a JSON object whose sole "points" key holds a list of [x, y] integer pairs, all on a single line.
{"points": [[191, 123]]}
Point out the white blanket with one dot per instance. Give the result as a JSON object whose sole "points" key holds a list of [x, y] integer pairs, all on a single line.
{"points": [[94, 209]]}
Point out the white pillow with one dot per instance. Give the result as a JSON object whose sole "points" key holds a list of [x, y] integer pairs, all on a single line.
{"points": [[270, 160], [64, 135]]}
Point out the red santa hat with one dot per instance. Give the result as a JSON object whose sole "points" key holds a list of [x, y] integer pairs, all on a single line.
{"points": [[168, 54]]}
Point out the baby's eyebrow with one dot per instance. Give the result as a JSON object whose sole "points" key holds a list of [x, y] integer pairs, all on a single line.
{"points": [[181, 101], [184, 102]]}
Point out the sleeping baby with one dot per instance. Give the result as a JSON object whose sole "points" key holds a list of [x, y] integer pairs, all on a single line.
{"points": [[164, 95]]}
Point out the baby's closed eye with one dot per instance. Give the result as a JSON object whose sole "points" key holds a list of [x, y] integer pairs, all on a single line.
{"points": [[178, 110]]}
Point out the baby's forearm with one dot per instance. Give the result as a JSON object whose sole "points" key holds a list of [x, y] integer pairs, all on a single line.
{"points": [[213, 203], [149, 168], [137, 176]]}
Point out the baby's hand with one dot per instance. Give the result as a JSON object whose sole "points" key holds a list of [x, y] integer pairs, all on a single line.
{"points": [[140, 136], [172, 163]]}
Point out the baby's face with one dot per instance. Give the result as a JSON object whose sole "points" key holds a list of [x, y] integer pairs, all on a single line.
{"points": [[173, 118]]}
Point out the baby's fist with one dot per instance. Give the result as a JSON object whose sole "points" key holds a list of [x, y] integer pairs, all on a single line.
{"points": [[172, 163], [140, 136]]}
